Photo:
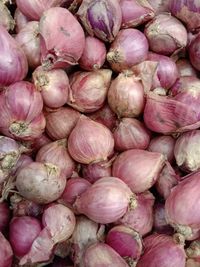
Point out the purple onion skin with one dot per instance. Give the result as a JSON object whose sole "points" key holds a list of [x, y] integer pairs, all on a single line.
{"points": [[194, 52]]}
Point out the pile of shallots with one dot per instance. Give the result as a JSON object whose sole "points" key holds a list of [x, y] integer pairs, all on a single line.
{"points": [[100, 133]]}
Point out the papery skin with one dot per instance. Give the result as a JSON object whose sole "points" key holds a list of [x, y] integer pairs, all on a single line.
{"points": [[135, 12], [129, 48], [13, 63], [194, 52], [60, 122], [90, 141], [94, 54], [166, 34], [159, 6], [139, 169], [29, 40], [131, 133], [101, 18], [187, 151], [6, 252], [185, 68], [53, 85], [88, 90], [180, 201], [163, 250], [105, 201], [21, 111], [100, 255], [68, 31], [141, 218], [126, 95], [20, 20], [6, 18]]}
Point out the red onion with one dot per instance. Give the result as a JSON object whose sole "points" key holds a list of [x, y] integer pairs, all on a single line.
{"points": [[6, 253], [105, 116], [73, 189], [87, 146], [162, 250], [139, 169], [166, 34], [93, 172], [23, 161], [40, 182], [60, 122], [159, 223], [135, 12], [86, 232], [167, 71], [10, 152], [131, 133], [163, 144], [185, 68], [21, 111], [20, 20], [13, 64], [68, 31], [141, 218], [56, 153], [100, 254], [185, 197], [129, 48], [194, 52], [126, 242], [126, 95], [4, 216], [101, 18], [34, 9], [28, 39], [6, 19], [54, 86], [22, 232], [164, 114], [166, 180], [160, 6], [106, 200], [188, 12], [88, 90], [186, 151], [94, 54]]}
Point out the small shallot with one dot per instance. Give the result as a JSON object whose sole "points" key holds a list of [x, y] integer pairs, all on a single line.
{"points": [[20, 20], [6, 253], [194, 52]]}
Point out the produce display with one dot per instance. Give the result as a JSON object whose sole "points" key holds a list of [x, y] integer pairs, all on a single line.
{"points": [[100, 133]]}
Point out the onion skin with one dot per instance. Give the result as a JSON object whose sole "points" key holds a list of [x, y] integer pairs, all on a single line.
{"points": [[90, 141], [135, 12], [194, 52], [94, 54], [60, 122], [126, 95], [40, 182], [34, 9], [86, 232], [186, 151], [100, 254], [68, 31], [28, 39], [22, 232], [4, 216], [159, 6], [131, 133], [167, 71], [185, 68], [130, 47], [163, 250], [179, 200], [105, 201], [6, 19], [6, 253], [54, 91], [56, 153], [163, 144], [166, 34], [188, 12], [88, 90], [20, 20], [126, 242], [101, 18], [141, 218], [141, 175], [16, 68]]}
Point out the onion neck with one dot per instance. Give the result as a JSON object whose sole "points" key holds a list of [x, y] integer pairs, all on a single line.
{"points": [[133, 202], [193, 250], [18, 128], [114, 57]]}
